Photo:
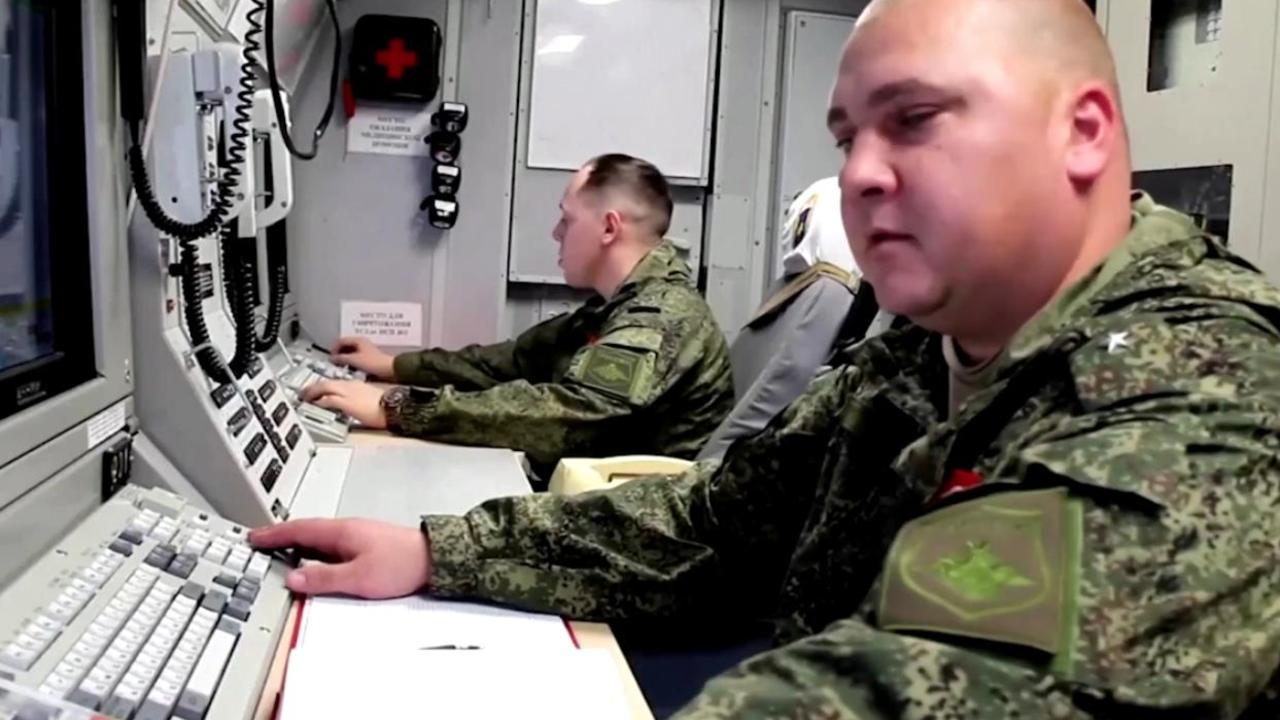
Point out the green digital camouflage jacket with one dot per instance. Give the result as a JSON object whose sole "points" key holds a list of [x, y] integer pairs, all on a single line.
{"points": [[1118, 560], [646, 371]]}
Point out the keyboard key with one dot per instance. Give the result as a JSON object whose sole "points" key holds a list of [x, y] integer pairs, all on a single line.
{"points": [[27, 642], [77, 661], [44, 689], [93, 577], [185, 657], [247, 592], [137, 680], [258, 566], [123, 547], [164, 531], [271, 474], [82, 585], [192, 590], [40, 633], [204, 678], [196, 545], [226, 580], [146, 665], [222, 395], [132, 535], [129, 640], [89, 694], [122, 703], [44, 621], [77, 593], [144, 521], [88, 648], [61, 613], [280, 414], [70, 671], [183, 565], [238, 558], [217, 552], [169, 586], [227, 625], [157, 705], [112, 668], [17, 658], [214, 601], [59, 682], [117, 653], [160, 557], [238, 609], [101, 675], [254, 449], [99, 632]]}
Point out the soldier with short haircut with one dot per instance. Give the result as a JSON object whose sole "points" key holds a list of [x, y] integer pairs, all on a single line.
{"points": [[642, 367], [1052, 495]]}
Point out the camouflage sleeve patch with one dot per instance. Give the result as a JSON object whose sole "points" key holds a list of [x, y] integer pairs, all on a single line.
{"points": [[999, 567], [622, 373]]}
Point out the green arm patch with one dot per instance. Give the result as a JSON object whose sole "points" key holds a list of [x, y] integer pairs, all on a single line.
{"points": [[1000, 567], [622, 373]]}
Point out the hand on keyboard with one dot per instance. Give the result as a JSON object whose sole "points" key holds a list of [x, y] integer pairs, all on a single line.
{"points": [[359, 353], [142, 611], [373, 559], [361, 401]]}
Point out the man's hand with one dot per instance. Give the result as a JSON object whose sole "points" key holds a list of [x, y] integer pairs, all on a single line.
{"points": [[371, 559], [361, 401], [359, 353]]}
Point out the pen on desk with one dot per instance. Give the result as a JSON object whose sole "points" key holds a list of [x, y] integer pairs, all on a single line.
{"points": [[450, 647]]}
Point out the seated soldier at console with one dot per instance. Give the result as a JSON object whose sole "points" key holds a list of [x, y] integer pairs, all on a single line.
{"points": [[641, 368], [1051, 495]]}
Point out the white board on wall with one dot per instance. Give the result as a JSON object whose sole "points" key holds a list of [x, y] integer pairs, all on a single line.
{"points": [[624, 76]]}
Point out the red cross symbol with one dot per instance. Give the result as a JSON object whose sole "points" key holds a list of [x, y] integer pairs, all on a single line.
{"points": [[396, 59]]}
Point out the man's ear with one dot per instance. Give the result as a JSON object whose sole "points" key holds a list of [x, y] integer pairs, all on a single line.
{"points": [[1095, 133], [612, 226]]}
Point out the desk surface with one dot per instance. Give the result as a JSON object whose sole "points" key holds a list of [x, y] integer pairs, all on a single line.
{"points": [[589, 635]]}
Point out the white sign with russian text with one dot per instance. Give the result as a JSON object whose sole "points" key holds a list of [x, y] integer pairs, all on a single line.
{"points": [[389, 131], [383, 323]]}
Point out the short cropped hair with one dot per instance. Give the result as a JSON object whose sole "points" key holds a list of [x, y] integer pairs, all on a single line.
{"points": [[639, 181]]}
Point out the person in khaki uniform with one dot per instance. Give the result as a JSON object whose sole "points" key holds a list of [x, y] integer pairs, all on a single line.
{"points": [[642, 367], [1052, 495]]}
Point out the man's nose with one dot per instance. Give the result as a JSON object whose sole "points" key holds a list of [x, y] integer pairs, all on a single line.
{"points": [[867, 171]]}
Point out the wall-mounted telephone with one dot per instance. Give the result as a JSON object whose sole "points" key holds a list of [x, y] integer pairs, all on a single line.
{"points": [[576, 475]]}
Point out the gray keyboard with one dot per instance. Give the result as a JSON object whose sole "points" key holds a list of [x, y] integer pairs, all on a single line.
{"points": [[149, 609]]}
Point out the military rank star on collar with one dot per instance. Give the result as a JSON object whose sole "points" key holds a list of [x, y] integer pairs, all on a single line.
{"points": [[1117, 341]]}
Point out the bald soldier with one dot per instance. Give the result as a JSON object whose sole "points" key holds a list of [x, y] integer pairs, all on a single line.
{"points": [[642, 367], [1053, 495]]}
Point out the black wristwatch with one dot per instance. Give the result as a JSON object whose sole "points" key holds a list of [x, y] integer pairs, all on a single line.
{"points": [[393, 401]]}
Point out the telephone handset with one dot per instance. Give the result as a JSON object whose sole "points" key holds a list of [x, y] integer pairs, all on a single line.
{"points": [[278, 165], [576, 475]]}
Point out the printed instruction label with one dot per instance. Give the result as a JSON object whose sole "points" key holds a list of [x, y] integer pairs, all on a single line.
{"points": [[105, 424], [389, 131], [383, 323]]}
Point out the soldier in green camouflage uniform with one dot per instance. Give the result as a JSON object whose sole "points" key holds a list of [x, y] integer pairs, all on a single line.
{"points": [[641, 368], [645, 371], [1144, 404], [1079, 523]]}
